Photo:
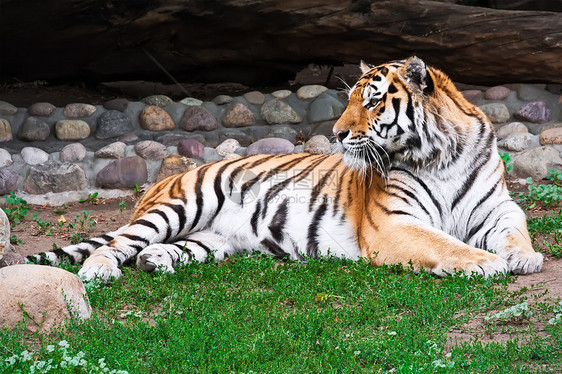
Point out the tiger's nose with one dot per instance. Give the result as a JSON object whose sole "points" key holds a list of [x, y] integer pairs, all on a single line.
{"points": [[341, 134]]}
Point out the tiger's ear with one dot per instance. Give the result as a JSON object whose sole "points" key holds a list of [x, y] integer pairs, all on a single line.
{"points": [[365, 67], [416, 74]]}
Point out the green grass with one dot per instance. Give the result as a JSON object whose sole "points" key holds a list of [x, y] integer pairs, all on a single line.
{"points": [[257, 314]]}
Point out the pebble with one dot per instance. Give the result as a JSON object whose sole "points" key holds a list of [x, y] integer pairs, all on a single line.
{"points": [[33, 129], [497, 93], [255, 97], [154, 118], [113, 123], [68, 129], [551, 136], [222, 99], [276, 111], [123, 173], [8, 181], [157, 100], [210, 155], [198, 118], [175, 164], [7, 108], [189, 101], [511, 128], [536, 112], [472, 95], [281, 94], [5, 130], [41, 109], [272, 146], [151, 150], [77, 110], [73, 153], [325, 108], [34, 156], [113, 150], [191, 148], [5, 158], [118, 104], [310, 91], [536, 162], [227, 146], [238, 115], [317, 145], [518, 142], [496, 112], [54, 177]]}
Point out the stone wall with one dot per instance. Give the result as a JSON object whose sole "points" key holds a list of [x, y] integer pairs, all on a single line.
{"points": [[121, 144]]}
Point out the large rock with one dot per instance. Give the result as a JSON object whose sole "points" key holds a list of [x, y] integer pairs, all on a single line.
{"points": [[54, 177], [151, 150], [158, 100], [198, 118], [73, 153], [536, 162], [7, 108], [33, 129], [123, 173], [175, 164], [41, 296], [78, 110], [5, 130], [551, 136], [113, 123], [191, 148], [518, 142], [113, 150], [511, 128], [72, 129], [318, 144], [325, 108], [34, 156], [536, 112], [227, 146], [276, 111], [5, 245], [5, 158], [271, 146], [496, 112], [497, 93], [154, 118], [238, 115], [41, 109], [8, 181]]}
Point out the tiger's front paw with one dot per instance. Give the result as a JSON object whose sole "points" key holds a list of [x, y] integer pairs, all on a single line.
{"points": [[525, 262], [99, 267], [154, 258], [489, 265]]}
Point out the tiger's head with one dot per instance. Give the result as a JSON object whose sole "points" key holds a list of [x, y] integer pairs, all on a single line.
{"points": [[404, 112]]}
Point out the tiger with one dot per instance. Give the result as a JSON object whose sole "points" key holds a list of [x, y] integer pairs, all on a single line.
{"points": [[416, 180]]}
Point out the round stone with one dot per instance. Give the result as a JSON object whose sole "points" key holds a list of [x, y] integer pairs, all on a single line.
{"points": [[118, 104], [318, 144], [472, 95], [551, 136], [272, 146], [227, 146], [8, 181], [41, 109], [151, 150], [211, 155], [536, 162], [34, 156], [33, 129], [238, 115], [175, 164], [310, 91], [497, 93], [7, 108], [255, 97], [113, 150], [198, 118], [518, 142], [5, 130], [222, 99], [536, 112], [325, 108], [77, 110], [113, 123], [276, 111], [73, 153], [189, 101], [158, 100], [154, 118], [5, 158], [496, 112], [54, 177], [69, 129], [123, 173], [281, 94], [191, 148], [511, 128]]}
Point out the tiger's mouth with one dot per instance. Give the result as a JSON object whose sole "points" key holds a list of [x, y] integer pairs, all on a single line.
{"points": [[365, 155]]}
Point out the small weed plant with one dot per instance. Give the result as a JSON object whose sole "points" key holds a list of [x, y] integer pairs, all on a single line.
{"points": [[16, 209], [506, 159], [516, 314], [557, 310], [548, 227], [122, 206], [92, 198], [61, 210], [550, 195]]}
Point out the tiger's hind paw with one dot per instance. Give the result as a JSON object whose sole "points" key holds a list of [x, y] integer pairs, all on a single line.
{"points": [[154, 258], [102, 271], [525, 263]]}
